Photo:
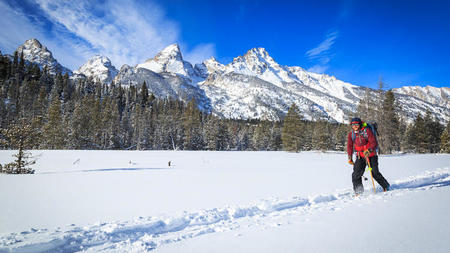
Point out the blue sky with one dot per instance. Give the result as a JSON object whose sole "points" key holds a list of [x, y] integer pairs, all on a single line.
{"points": [[402, 42]]}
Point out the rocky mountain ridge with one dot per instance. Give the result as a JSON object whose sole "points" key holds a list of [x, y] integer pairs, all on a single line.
{"points": [[100, 68], [33, 51], [252, 86]]}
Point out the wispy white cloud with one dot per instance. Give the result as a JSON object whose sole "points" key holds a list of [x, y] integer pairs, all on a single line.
{"points": [[124, 31], [128, 32], [18, 26], [322, 49], [15, 28], [321, 54]]}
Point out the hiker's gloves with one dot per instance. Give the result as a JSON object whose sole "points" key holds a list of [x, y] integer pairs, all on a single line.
{"points": [[350, 160], [367, 152]]}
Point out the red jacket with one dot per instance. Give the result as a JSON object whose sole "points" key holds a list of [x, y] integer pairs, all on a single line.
{"points": [[364, 140]]}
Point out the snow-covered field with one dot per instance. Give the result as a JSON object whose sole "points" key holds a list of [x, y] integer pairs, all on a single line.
{"points": [[132, 201]]}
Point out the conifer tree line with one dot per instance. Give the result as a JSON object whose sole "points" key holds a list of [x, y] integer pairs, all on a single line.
{"points": [[424, 135], [85, 114]]}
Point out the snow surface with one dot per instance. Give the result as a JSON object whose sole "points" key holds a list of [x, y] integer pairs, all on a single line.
{"points": [[132, 201]]}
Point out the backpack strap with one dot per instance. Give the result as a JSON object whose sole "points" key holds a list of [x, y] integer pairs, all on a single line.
{"points": [[365, 133], [353, 139]]}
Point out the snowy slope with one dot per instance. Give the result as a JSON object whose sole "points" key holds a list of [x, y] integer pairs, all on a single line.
{"points": [[433, 95], [99, 68], [33, 51], [255, 86], [124, 201]]}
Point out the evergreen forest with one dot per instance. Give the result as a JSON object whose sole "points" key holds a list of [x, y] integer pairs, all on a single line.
{"points": [[56, 112]]}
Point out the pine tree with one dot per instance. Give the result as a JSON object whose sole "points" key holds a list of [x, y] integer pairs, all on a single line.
{"points": [[110, 122], [5, 67], [416, 139], [21, 67], [262, 136], [15, 64], [223, 137], [445, 139], [3, 113], [192, 127], [389, 127], [340, 137], [148, 130], [19, 136], [53, 130], [321, 139], [210, 132], [144, 94], [96, 120], [275, 142], [292, 133], [378, 103], [366, 108], [433, 132], [136, 123]]}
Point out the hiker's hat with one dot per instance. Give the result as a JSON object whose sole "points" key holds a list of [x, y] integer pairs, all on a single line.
{"points": [[355, 121]]}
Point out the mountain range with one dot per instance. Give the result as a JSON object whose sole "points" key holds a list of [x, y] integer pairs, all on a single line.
{"points": [[252, 86]]}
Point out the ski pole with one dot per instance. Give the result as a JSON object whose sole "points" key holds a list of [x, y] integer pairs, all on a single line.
{"points": [[371, 176]]}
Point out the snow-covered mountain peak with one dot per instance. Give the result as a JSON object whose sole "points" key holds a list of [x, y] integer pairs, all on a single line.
{"points": [[33, 51], [434, 95], [260, 54], [257, 62], [213, 65], [171, 52], [100, 68], [257, 59], [33, 44], [100, 59], [169, 60]]}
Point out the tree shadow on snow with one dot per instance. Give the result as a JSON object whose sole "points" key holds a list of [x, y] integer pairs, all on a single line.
{"points": [[123, 169], [104, 170]]}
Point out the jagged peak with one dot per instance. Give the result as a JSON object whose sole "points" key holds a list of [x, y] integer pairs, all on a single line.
{"points": [[171, 51], [254, 56], [212, 60], [34, 45], [125, 67], [33, 42], [260, 51], [33, 51], [99, 59]]}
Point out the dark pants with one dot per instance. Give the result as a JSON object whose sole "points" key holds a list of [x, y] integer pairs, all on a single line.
{"points": [[358, 171]]}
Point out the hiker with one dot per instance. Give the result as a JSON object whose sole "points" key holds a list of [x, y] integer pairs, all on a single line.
{"points": [[362, 140]]}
